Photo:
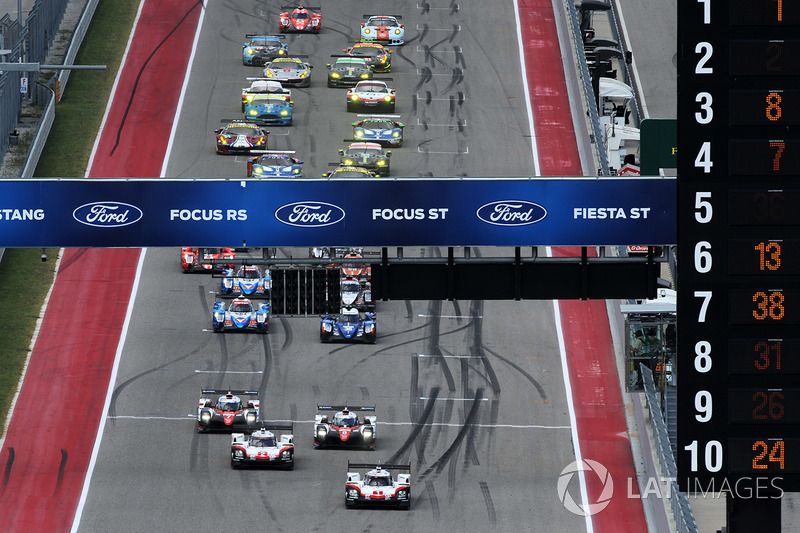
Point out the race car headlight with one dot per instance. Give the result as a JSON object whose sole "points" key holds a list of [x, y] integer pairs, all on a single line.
{"points": [[384, 59], [381, 162], [253, 113], [286, 454], [352, 493], [398, 31], [395, 134], [369, 327], [327, 327], [354, 98], [335, 75], [261, 318], [348, 162], [303, 74], [250, 51], [250, 417], [367, 432], [219, 316], [268, 73], [249, 98], [205, 417], [239, 454], [285, 113], [358, 134], [364, 76], [296, 171], [281, 52], [227, 282], [402, 494], [222, 140], [315, 22], [321, 432], [387, 98], [367, 31]]}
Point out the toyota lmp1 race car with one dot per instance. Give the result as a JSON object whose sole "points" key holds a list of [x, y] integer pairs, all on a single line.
{"points": [[261, 49], [263, 86], [290, 71], [301, 18], [228, 412], [348, 172], [377, 57], [246, 281], [272, 109], [193, 259], [383, 28], [360, 271], [261, 448], [370, 94], [356, 293], [240, 315], [381, 129], [366, 155], [239, 137], [345, 428], [348, 325], [347, 71], [274, 163], [377, 487]]}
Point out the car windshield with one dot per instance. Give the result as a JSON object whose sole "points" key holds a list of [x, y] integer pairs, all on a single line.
{"points": [[248, 273], [276, 161], [211, 251], [301, 15], [347, 420], [378, 481], [351, 286], [350, 174], [378, 124], [241, 130], [360, 152], [348, 319], [241, 307], [229, 405], [382, 21], [369, 51], [263, 42], [371, 88], [344, 62], [262, 442]]}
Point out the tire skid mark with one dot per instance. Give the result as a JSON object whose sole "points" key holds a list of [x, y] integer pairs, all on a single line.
{"points": [[288, 334], [443, 460], [267, 349], [451, 477], [247, 482], [364, 393], [223, 361], [433, 349], [419, 425], [382, 336], [487, 498], [528, 376], [62, 466], [432, 499], [409, 311], [471, 454], [8, 467]]}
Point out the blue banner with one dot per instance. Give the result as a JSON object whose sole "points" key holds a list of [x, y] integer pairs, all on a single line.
{"points": [[302, 212]]}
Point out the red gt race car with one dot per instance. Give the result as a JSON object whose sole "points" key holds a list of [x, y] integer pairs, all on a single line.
{"points": [[305, 19]]}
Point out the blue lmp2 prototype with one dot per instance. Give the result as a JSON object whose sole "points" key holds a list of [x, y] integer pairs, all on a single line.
{"points": [[349, 325], [274, 109], [240, 315], [274, 164], [247, 281]]}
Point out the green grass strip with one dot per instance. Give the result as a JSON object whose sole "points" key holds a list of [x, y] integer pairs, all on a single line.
{"points": [[24, 282], [24, 278]]}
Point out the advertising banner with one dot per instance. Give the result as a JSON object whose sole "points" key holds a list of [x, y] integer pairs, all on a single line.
{"points": [[305, 212]]}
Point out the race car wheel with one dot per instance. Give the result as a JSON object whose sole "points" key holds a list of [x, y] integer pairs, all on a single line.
{"points": [[235, 464], [290, 466], [349, 504], [351, 108], [405, 506], [324, 338]]}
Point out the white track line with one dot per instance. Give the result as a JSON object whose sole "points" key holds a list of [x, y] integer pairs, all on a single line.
{"points": [[191, 418], [98, 440], [449, 316], [576, 444], [35, 336], [537, 171], [229, 371], [448, 356], [437, 399]]}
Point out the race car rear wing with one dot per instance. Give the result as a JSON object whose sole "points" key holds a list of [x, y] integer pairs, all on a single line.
{"points": [[272, 152], [244, 392], [274, 426], [249, 35], [382, 15], [365, 408], [300, 5], [370, 466], [378, 116]]}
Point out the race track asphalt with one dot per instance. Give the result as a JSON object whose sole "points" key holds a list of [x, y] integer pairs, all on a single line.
{"points": [[471, 393]]}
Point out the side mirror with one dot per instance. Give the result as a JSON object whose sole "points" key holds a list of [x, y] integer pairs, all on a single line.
{"points": [[326, 174], [310, 66], [328, 65], [354, 124], [299, 161], [218, 131], [401, 125], [388, 153], [341, 152]]}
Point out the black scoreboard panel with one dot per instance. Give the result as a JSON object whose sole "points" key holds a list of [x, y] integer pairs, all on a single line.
{"points": [[739, 242]]}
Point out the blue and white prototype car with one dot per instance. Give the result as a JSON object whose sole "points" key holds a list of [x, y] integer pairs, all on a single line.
{"points": [[271, 109], [240, 315], [246, 281], [274, 163], [349, 326], [382, 129], [261, 49]]}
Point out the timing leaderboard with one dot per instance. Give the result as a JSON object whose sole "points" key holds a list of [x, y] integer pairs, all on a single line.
{"points": [[739, 242]]}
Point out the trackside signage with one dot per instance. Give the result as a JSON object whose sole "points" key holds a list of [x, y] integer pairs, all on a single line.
{"points": [[306, 212]]}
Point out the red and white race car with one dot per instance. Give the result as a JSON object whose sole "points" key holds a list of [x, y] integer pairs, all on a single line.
{"points": [[370, 95], [194, 259], [262, 448], [345, 427], [376, 487], [301, 18]]}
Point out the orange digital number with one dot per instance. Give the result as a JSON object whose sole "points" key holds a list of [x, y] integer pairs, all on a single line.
{"points": [[769, 257], [769, 304], [773, 110], [769, 405], [772, 454], [780, 10], [769, 354], [779, 146]]}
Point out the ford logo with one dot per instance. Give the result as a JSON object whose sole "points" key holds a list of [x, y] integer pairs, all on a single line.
{"points": [[107, 214], [309, 214], [511, 213]]}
